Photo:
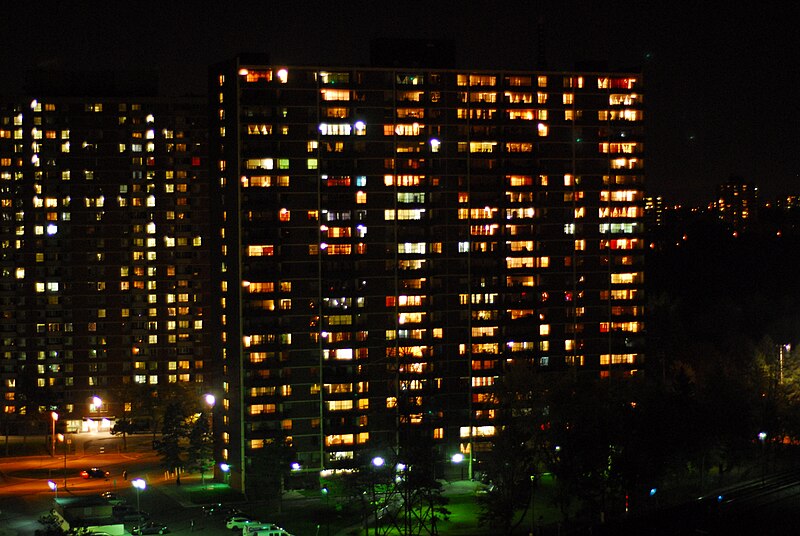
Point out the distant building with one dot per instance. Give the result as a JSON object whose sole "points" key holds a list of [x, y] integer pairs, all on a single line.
{"points": [[392, 238], [654, 211], [736, 203], [103, 239], [788, 203]]}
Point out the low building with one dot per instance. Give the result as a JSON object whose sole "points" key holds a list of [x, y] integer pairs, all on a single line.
{"points": [[89, 513]]}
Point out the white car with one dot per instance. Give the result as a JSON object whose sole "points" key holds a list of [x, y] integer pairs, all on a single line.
{"points": [[239, 522], [253, 528]]}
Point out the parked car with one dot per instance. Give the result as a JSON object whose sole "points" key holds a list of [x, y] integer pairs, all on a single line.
{"points": [[239, 522], [273, 531], [112, 498], [151, 527], [129, 513], [94, 472], [254, 529], [221, 509]]}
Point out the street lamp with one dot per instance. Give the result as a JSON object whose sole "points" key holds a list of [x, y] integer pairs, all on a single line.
{"points": [[140, 485], [225, 468], [63, 439], [533, 502], [457, 459], [53, 486], [210, 401], [653, 495], [377, 463], [94, 407], [325, 492], [762, 436], [53, 419]]}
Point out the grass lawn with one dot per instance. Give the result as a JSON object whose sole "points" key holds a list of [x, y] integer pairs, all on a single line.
{"points": [[213, 493], [310, 514]]}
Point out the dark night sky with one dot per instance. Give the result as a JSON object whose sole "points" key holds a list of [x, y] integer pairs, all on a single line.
{"points": [[721, 86]]}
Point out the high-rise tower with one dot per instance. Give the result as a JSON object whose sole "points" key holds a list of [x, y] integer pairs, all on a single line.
{"points": [[103, 240], [391, 238]]}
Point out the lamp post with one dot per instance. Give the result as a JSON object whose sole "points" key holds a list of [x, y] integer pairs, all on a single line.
{"points": [[457, 459], [94, 407], [325, 492], [762, 436], [140, 485], [377, 463], [225, 468], [210, 401], [53, 419], [53, 486], [533, 504], [63, 438]]}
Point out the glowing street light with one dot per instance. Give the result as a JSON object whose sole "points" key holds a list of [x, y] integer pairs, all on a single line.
{"points": [[457, 458], [62, 438], [140, 485], [53, 486], [377, 463], [326, 493], [53, 418], [226, 469], [210, 401]]}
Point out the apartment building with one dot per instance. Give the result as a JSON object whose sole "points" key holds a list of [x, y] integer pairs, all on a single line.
{"points": [[103, 249], [736, 203], [391, 239]]}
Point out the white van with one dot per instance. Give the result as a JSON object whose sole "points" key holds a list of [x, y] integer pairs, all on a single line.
{"points": [[264, 529]]}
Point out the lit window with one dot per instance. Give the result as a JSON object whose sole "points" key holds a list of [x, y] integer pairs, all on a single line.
{"points": [[335, 129], [335, 94]]}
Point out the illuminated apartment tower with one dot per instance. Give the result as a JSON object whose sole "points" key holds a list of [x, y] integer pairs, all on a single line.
{"points": [[103, 220], [737, 203], [393, 237]]}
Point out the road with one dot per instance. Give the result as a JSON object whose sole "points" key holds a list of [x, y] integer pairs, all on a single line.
{"points": [[25, 495], [763, 507]]}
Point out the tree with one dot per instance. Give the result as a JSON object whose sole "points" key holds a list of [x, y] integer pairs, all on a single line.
{"points": [[398, 496], [174, 430], [518, 448], [269, 469], [200, 451], [413, 499], [140, 401]]}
